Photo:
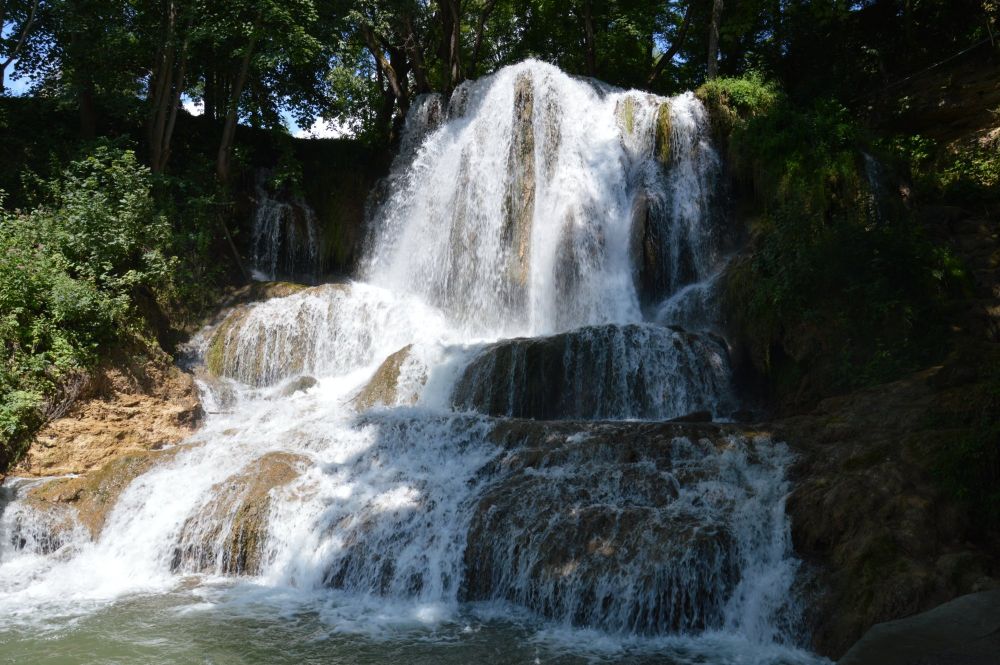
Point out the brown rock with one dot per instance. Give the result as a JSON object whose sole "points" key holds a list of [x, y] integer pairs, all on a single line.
{"points": [[129, 405], [382, 387], [91, 497], [227, 535]]}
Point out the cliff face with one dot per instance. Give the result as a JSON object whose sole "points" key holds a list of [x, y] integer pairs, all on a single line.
{"points": [[130, 404], [882, 535]]}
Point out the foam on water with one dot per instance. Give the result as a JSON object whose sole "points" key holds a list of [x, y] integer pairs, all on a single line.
{"points": [[532, 204]]}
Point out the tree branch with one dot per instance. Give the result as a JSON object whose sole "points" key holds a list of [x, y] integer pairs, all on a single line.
{"points": [[675, 46]]}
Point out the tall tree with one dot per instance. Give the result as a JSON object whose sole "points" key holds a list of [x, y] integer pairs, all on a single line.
{"points": [[20, 16], [167, 77], [713, 40]]}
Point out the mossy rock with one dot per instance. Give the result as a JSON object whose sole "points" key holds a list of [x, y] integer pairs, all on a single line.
{"points": [[626, 114], [237, 518], [215, 356], [94, 495], [663, 129], [382, 388]]}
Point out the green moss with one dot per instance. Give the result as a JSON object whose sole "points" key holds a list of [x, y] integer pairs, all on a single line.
{"points": [[663, 135], [215, 357], [628, 115]]}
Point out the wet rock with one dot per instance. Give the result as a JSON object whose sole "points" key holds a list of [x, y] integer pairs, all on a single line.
{"points": [[609, 372], [520, 199], [252, 347], [663, 129], [227, 536], [88, 499], [694, 417], [382, 387], [594, 524], [298, 385]]}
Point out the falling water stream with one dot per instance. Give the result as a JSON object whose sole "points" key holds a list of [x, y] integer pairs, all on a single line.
{"points": [[461, 456]]}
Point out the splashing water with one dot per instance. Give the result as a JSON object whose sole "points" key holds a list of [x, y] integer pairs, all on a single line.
{"points": [[548, 250], [285, 238]]}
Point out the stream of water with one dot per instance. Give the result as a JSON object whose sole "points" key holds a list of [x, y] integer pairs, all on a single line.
{"points": [[460, 457]]}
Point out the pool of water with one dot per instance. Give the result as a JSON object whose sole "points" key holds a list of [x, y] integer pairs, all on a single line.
{"points": [[224, 624]]}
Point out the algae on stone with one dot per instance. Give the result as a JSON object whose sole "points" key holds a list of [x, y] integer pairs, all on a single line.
{"points": [[663, 129], [228, 534]]}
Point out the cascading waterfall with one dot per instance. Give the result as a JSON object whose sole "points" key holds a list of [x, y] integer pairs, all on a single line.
{"points": [[285, 238], [548, 250]]}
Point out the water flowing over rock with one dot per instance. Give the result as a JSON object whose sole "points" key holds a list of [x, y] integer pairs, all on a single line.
{"points": [[460, 423], [526, 206], [384, 387], [605, 372], [318, 331], [285, 237], [633, 530], [228, 535]]}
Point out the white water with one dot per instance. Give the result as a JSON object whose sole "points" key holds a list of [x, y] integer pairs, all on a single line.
{"points": [[285, 238], [610, 533]]}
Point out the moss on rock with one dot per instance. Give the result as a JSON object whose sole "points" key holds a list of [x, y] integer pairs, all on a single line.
{"points": [[663, 129], [228, 534], [382, 388]]}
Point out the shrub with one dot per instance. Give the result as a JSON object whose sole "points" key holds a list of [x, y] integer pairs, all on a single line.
{"points": [[835, 294], [733, 101], [70, 272]]}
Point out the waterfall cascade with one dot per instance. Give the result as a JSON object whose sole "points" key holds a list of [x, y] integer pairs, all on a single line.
{"points": [[548, 250], [285, 238]]}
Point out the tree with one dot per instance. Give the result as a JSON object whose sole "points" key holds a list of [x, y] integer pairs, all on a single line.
{"points": [[243, 44], [20, 15], [167, 77], [713, 40]]}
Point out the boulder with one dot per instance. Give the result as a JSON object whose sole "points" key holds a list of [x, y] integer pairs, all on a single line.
{"points": [[227, 536], [382, 387], [601, 372], [965, 630]]}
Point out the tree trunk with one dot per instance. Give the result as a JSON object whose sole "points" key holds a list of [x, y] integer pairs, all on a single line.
{"points": [[590, 47], [412, 46], [232, 114], [88, 110], [484, 17], [394, 70], [452, 23], [675, 46], [713, 40], [160, 82]]}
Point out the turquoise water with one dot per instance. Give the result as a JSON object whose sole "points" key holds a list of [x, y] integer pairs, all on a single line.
{"points": [[235, 625]]}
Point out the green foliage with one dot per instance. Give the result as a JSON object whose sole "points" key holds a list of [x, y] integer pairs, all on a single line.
{"points": [[834, 295], [734, 101], [70, 272], [959, 175], [969, 469]]}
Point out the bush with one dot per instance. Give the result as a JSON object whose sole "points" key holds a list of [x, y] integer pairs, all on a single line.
{"points": [[70, 272], [837, 292], [733, 101]]}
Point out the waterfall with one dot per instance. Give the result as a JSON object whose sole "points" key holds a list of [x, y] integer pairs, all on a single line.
{"points": [[284, 237], [474, 426]]}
